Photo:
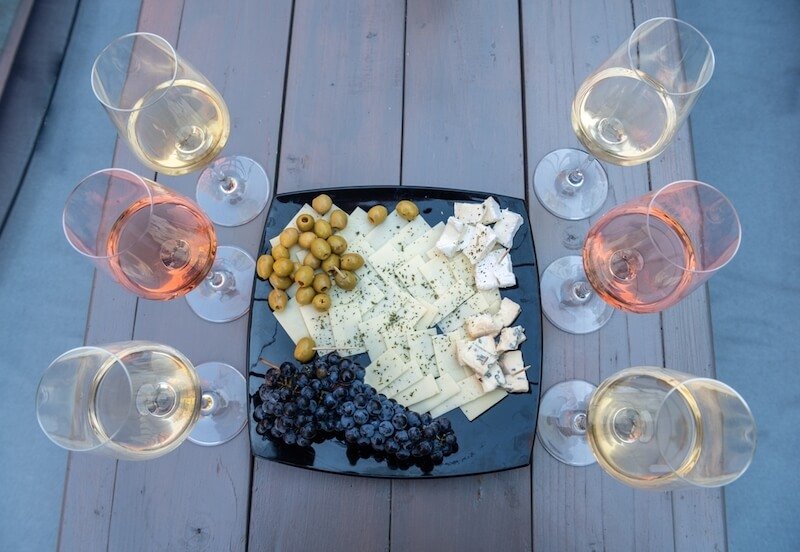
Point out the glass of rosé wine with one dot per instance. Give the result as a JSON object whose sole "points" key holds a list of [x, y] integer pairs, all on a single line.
{"points": [[157, 244], [643, 256]]}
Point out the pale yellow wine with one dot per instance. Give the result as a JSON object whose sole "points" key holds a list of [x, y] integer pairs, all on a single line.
{"points": [[623, 117], [181, 131]]}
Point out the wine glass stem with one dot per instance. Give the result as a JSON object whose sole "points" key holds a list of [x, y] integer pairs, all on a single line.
{"points": [[573, 422], [210, 403], [220, 280], [576, 177], [577, 292]]}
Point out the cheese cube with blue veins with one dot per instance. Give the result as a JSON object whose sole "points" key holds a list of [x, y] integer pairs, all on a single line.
{"points": [[511, 338]]}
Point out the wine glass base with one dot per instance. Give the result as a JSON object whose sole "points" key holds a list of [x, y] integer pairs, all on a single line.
{"points": [[225, 304], [224, 412], [571, 317], [561, 427], [570, 202], [233, 190]]}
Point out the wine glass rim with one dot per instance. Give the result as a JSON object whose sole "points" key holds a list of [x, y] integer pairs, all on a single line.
{"points": [[108, 436], [152, 36], [138, 179], [664, 90], [650, 208], [728, 389]]}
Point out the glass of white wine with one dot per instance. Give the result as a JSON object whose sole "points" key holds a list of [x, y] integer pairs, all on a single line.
{"points": [[626, 112], [157, 244], [176, 122], [138, 400], [651, 428]]}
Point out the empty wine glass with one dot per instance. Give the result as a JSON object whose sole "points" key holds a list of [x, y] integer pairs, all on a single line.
{"points": [[643, 256], [176, 122], [626, 112], [137, 400], [651, 428], [157, 244]]}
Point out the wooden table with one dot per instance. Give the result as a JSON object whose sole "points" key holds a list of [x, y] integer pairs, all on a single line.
{"points": [[449, 94]]}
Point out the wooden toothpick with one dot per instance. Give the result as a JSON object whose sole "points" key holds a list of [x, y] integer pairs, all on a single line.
{"points": [[262, 360]]}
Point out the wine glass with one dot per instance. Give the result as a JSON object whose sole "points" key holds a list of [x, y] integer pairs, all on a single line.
{"points": [[137, 400], [176, 122], [651, 428], [157, 244], [642, 256], [626, 112]]}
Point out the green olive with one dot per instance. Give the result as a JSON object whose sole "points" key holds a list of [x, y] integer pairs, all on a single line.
{"points": [[377, 214], [304, 222], [322, 203], [321, 301], [283, 267], [304, 295], [345, 280], [289, 237], [321, 283], [280, 252], [407, 209], [331, 264], [277, 299], [304, 350], [312, 261], [304, 276], [338, 219], [351, 261], [264, 266], [322, 228], [320, 249], [280, 282], [306, 238], [338, 244]]}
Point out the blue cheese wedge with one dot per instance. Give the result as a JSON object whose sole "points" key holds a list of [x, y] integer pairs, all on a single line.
{"points": [[471, 389], [420, 391], [481, 242], [475, 408], [482, 324], [479, 354], [511, 338], [470, 213], [507, 313], [491, 211], [494, 379], [445, 350], [291, 320], [345, 318], [319, 326], [518, 383], [506, 228], [386, 230], [385, 369], [450, 238], [511, 362], [448, 388], [403, 381]]}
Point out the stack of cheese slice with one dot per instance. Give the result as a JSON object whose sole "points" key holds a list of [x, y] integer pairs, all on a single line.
{"points": [[406, 290]]}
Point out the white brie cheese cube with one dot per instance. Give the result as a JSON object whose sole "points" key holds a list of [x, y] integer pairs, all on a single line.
{"points": [[493, 379], [471, 213], [495, 270], [506, 228], [511, 362], [491, 211], [467, 236], [451, 236], [481, 325], [481, 242], [511, 338], [509, 310], [518, 383]]}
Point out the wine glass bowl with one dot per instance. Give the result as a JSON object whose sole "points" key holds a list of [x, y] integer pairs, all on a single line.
{"points": [[170, 115]]}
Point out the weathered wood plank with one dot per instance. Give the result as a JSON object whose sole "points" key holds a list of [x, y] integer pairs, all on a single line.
{"points": [[342, 127], [463, 105], [699, 514], [150, 504], [344, 96], [462, 129], [583, 508], [90, 480]]}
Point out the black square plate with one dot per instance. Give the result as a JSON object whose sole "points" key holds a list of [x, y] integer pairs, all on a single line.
{"points": [[499, 439]]}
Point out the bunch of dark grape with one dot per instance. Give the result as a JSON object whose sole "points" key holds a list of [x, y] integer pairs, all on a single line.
{"points": [[328, 398]]}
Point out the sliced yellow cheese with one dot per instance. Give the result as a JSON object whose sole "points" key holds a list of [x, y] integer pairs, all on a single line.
{"points": [[345, 318], [445, 351], [476, 407], [371, 335], [424, 243], [431, 312], [385, 369], [448, 388], [409, 377], [422, 352], [423, 389], [473, 306], [450, 299], [291, 320], [358, 226], [471, 389], [386, 230], [415, 229], [319, 326], [493, 300]]}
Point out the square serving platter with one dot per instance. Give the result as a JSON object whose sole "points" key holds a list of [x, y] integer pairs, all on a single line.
{"points": [[499, 439]]}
